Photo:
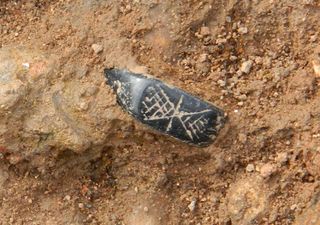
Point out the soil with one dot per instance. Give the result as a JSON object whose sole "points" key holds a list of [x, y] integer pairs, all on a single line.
{"points": [[258, 60]]}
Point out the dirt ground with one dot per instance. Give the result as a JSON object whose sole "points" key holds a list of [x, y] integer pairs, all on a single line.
{"points": [[91, 163]]}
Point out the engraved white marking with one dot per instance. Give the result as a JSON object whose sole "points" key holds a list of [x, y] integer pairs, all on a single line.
{"points": [[162, 108], [121, 90]]}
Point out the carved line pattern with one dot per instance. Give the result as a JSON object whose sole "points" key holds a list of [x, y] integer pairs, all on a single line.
{"points": [[122, 90], [159, 107]]}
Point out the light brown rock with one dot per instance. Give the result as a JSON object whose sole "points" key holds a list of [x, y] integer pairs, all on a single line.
{"points": [[204, 31], [246, 66], [267, 170], [247, 200], [97, 48], [43, 109]]}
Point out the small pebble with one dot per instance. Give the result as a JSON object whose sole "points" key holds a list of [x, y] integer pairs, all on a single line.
{"points": [[246, 66], [242, 97], [67, 198], [204, 31], [250, 168], [240, 103], [220, 41], [221, 83], [282, 157], [242, 138], [89, 206], [267, 170], [192, 205], [203, 58], [81, 205], [233, 58], [84, 106], [97, 48], [258, 60], [243, 30], [313, 38], [146, 209], [26, 65], [267, 62], [294, 207]]}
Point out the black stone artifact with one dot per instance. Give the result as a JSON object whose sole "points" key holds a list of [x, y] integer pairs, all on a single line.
{"points": [[166, 108]]}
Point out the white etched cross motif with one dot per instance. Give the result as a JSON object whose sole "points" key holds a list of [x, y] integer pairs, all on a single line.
{"points": [[158, 106]]}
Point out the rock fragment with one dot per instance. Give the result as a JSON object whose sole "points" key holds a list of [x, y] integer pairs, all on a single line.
{"points": [[205, 31], [250, 168], [67, 198], [282, 158], [243, 30], [246, 66], [267, 170], [97, 48], [192, 205], [81, 205], [242, 138]]}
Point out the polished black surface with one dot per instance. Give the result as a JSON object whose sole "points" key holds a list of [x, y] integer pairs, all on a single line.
{"points": [[165, 108]]}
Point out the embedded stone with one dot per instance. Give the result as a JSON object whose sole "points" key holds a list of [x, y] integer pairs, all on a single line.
{"points": [[165, 108]]}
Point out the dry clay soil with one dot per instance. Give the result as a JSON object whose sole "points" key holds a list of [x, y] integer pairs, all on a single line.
{"points": [[70, 155]]}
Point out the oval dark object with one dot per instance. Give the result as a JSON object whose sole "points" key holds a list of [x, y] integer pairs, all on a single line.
{"points": [[165, 108]]}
